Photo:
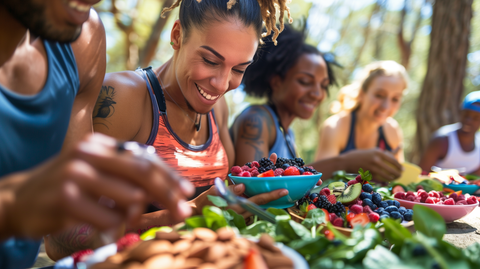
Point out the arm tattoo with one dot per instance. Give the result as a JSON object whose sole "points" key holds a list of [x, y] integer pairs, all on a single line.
{"points": [[252, 132], [104, 107], [78, 238]]}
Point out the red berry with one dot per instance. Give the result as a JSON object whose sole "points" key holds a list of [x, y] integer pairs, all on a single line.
{"points": [[461, 202], [332, 199], [245, 174], [410, 198], [359, 179], [291, 171], [325, 192], [461, 197], [399, 195], [471, 200], [367, 209], [278, 172], [409, 193], [435, 194], [269, 173], [332, 216], [80, 256], [252, 169], [256, 164], [430, 200], [255, 173], [374, 217], [356, 209], [449, 201], [351, 182], [236, 170], [338, 222], [310, 207], [307, 173], [315, 200], [245, 168], [454, 196], [127, 240], [419, 187]]}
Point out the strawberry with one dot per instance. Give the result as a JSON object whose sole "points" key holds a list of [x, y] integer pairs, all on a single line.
{"points": [[329, 235], [310, 207], [307, 173], [325, 192], [332, 199], [269, 173], [236, 170], [81, 255], [350, 216], [254, 260], [127, 240], [291, 171], [327, 215], [360, 219]]}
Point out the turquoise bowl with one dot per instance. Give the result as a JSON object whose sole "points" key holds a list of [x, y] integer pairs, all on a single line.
{"points": [[297, 187], [465, 188]]}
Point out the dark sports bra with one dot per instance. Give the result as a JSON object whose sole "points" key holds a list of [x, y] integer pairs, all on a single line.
{"points": [[381, 143]]}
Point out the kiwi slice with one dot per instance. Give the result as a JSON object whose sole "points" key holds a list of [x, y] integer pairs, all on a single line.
{"points": [[350, 194], [337, 188]]}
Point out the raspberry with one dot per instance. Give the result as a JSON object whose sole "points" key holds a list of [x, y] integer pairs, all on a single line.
{"points": [[399, 195], [374, 217], [278, 172], [80, 256], [338, 222], [291, 171], [430, 200], [454, 196], [435, 194], [411, 198], [127, 240], [460, 197], [419, 187], [255, 164], [423, 196], [471, 200], [367, 209], [307, 173], [236, 170], [461, 202], [417, 200], [409, 193], [255, 173], [421, 191], [310, 207], [356, 209], [332, 199], [245, 174], [252, 169], [449, 201], [359, 179], [325, 191], [359, 202], [351, 182], [245, 168], [332, 216]]}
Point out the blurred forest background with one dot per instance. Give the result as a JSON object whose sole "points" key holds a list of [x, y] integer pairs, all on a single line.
{"points": [[357, 32]]}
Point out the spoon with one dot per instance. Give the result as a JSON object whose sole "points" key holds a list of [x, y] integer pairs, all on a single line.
{"points": [[232, 199]]}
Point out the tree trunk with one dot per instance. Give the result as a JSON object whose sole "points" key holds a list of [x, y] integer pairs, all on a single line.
{"points": [[442, 89], [406, 45]]}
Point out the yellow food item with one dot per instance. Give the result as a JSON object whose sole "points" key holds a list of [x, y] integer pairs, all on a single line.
{"points": [[410, 174]]}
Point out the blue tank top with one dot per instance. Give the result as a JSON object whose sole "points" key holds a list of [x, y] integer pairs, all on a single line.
{"points": [[32, 129], [381, 143]]}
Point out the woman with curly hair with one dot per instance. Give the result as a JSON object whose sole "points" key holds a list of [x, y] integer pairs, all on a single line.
{"points": [[363, 126], [179, 106]]}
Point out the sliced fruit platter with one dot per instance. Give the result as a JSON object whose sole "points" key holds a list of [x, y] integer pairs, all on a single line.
{"points": [[352, 203]]}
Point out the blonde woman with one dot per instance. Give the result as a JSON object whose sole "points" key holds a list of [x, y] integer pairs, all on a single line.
{"points": [[363, 126]]}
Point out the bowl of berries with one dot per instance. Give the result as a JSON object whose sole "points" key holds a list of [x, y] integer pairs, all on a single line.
{"points": [[450, 207], [270, 174], [352, 203]]}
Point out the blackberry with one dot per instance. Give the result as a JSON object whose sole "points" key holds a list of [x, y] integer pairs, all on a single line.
{"points": [[261, 170], [323, 202], [298, 161], [249, 164], [338, 208], [266, 163], [281, 162]]}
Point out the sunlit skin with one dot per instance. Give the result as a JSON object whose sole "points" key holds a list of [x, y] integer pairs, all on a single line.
{"points": [[302, 89], [470, 121]]}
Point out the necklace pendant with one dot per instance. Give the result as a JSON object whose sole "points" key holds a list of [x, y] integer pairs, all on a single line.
{"points": [[198, 126]]}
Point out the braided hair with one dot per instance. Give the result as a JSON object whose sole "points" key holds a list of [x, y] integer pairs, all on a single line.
{"points": [[278, 60], [250, 12]]}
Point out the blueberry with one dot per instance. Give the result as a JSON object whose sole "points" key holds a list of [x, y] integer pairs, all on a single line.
{"points": [[367, 188], [385, 213], [374, 207], [408, 216], [365, 195], [301, 171], [380, 210], [384, 217], [368, 202], [396, 203], [391, 209], [389, 202], [383, 204], [376, 198], [419, 250], [402, 210], [285, 166], [409, 211], [396, 215], [313, 195]]}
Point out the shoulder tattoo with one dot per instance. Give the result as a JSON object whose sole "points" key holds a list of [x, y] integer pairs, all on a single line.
{"points": [[251, 131], [104, 107]]}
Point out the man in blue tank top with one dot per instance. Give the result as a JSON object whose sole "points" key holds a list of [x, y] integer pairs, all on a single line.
{"points": [[51, 174]]}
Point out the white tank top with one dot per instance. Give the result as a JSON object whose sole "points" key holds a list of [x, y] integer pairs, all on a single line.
{"points": [[456, 158]]}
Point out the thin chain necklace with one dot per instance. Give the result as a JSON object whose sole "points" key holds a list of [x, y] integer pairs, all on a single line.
{"points": [[198, 116]]}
